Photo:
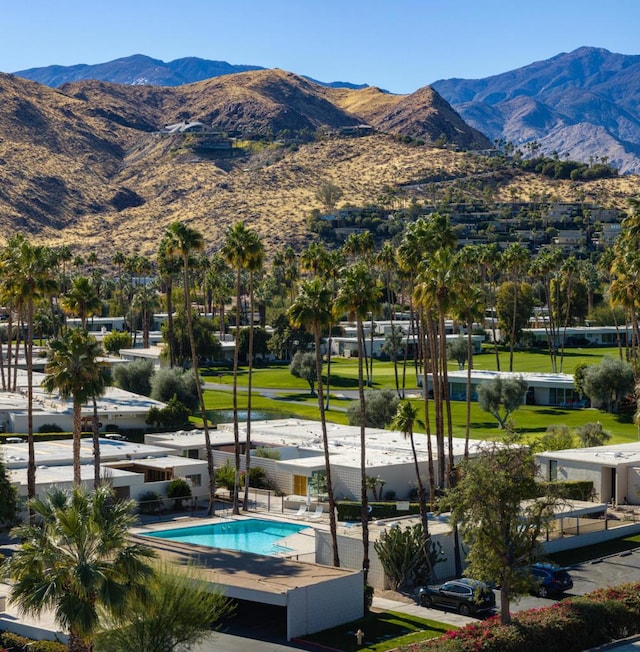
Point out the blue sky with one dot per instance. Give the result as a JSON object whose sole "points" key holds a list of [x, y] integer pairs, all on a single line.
{"points": [[398, 45]]}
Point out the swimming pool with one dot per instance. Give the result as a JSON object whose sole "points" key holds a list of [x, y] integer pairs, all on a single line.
{"points": [[252, 535]]}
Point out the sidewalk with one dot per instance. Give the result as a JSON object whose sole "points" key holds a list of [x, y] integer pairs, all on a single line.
{"points": [[448, 617]]}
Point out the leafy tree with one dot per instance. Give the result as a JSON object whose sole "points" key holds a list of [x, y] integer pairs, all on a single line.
{"points": [[134, 376], [178, 614], [77, 560], [607, 383], [116, 340], [286, 338], [303, 366], [380, 409], [178, 489], [206, 343], [328, 194], [501, 530], [167, 383], [405, 558], [8, 497], [174, 415], [459, 351], [592, 434], [507, 393], [260, 342]]}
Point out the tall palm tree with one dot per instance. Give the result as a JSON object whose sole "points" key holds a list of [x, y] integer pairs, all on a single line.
{"points": [[404, 420], [240, 248], [313, 310], [358, 296], [30, 275], [254, 265], [145, 299], [183, 241], [72, 369], [169, 267], [516, 260], [388, 263], [82, 300], [78, 560]]}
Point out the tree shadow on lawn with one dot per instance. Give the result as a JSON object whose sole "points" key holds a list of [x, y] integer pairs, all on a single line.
{"points": [[295, 398], [342, 382]]}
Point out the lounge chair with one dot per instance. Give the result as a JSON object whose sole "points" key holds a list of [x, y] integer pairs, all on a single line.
{"points": [[318, 513], [302, 510]]}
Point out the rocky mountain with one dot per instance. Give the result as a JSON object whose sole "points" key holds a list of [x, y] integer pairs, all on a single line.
{"points": [[140, 70], [87, 162], [583, 104]]}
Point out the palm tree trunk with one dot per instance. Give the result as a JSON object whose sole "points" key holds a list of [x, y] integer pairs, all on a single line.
{"points": [[236, 433], [427, 421], [171, 338], [31, 467], [247, 467], [364, 508], [468, 393], [325, 444], [77, 433], [194, 363], [96, 445]]}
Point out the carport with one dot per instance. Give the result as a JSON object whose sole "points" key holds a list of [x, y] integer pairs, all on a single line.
{"points": [[314, 597]]}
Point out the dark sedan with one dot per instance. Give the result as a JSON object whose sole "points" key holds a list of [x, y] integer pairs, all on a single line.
{"points": [[466, 596]]}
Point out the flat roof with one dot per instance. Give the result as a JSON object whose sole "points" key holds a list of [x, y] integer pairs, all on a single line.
{"points": [[58, 452], [384, 447], [608, 455]]}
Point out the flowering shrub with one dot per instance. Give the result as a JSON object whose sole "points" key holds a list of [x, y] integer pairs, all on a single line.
{"points": [[572, 625]]}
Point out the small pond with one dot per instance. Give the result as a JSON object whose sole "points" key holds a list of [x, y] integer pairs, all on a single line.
{"points": [[226, 416]]}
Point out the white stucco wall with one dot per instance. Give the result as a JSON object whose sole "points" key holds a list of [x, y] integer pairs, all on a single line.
{"points": [[321, 606]]}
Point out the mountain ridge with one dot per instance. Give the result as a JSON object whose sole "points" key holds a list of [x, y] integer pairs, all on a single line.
{"points": [[587, 90]]}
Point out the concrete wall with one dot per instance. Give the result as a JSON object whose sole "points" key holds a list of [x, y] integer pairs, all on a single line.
{"points": [[591, 538], [321, 606]]}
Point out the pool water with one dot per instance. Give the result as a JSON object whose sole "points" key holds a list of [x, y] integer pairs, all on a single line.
{"points": [[257, 536]]}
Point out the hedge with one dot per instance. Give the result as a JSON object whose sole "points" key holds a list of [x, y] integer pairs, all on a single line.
{"points": [[15, 643], [568, 489], [572, 625]]}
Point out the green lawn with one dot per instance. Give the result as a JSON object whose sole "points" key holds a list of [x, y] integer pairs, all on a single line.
{"points": [[597, 551], [531, 421], [387, 630]]}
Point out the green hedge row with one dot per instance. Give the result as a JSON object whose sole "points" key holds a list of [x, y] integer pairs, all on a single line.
{"points": [[568, 489], [350, 511], [15, 643], [573, 625]]}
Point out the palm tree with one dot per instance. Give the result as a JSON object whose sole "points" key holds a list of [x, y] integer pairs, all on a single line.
{"points": [[183, 241], [240, 248], [405, 419], [313, 310], [358, 295], [78, 560], [73, 371], [516, 260], [169, 268], [82, 300], [253, 265], [145, 300], [30, 278]]}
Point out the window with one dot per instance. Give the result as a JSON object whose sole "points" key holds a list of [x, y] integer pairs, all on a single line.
{"points": [[195, 479], [553, 470]]}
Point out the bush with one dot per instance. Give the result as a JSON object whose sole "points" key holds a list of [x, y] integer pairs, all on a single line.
{"points": [[572, 625], [116, 340], [166, 383], [50, 427], [14, 642], [225, 477], [134, 376], [174, 415], [567, 489], [178, 489], [380, 408]]}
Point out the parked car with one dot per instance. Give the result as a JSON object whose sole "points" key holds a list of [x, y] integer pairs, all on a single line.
{"points": [[550, 580], [466, 596]]}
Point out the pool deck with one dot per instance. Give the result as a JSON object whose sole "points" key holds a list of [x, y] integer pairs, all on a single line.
{"points": [[243, 575]]}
